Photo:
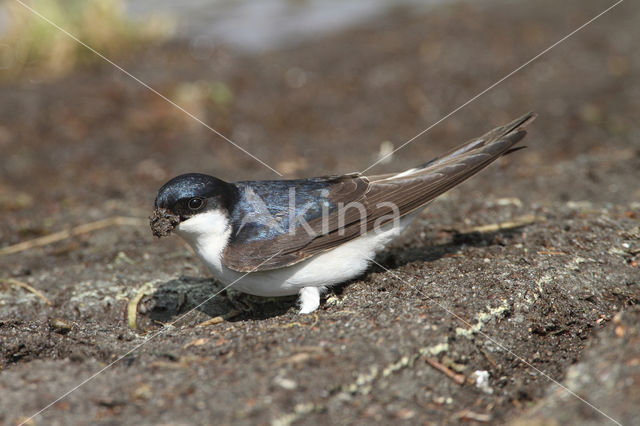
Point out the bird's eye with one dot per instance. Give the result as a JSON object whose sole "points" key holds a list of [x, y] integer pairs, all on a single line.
{"points": [[196, 204]]}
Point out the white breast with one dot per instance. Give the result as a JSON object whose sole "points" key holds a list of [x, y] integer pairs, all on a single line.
{"points": [[208, 234]]}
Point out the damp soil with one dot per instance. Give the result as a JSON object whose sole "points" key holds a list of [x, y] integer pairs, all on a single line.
{"points": [[466, 320]]}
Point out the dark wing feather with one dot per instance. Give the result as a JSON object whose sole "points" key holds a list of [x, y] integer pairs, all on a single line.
{"points": [[251, 247], [284, 215]]}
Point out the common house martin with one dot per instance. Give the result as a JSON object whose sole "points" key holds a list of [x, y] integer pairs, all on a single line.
{"points": [[301, 236]]}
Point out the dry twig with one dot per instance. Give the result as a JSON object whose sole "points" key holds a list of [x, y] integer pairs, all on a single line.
{"points": [[468, 415], [552, 252], [458, 378], [28, 288], [220, 318], [132, 306], [516, 223], [77, 230]]}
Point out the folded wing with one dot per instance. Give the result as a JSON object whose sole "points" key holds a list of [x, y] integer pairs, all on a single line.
{"points": [[330, 211]]}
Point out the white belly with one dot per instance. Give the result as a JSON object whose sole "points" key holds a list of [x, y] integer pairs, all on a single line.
{"points": [[334, 266], [331, 267]]}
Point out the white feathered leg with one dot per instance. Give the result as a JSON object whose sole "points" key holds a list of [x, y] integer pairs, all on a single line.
{"points": [[309, 299]]}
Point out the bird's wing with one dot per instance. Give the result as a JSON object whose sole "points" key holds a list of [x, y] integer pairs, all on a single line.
{"points": [[329, 211]]}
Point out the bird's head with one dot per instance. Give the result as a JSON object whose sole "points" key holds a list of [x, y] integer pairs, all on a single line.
{"points": [[187, 200]]}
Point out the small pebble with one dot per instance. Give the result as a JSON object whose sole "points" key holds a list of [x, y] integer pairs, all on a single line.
{"points": [[60, 325]]}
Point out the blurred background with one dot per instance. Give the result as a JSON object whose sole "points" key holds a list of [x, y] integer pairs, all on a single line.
{"points": [[316, 87], [309, 87]]}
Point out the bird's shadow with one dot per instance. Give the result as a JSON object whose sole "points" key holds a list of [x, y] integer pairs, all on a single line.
{"points": [[397, 257], [177, 297], [401, 256]]}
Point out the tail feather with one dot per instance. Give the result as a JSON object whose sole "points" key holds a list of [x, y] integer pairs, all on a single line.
{"points": [[498, 133], [498, 142]]}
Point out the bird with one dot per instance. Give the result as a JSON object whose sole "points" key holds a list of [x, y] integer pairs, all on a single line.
{"points": [[301, 236]]}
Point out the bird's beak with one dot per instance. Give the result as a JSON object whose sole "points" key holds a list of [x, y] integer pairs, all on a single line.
{"points": [[162, 222]]}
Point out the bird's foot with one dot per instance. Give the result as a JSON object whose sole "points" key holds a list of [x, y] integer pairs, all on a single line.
{"points": [[309, 299]]}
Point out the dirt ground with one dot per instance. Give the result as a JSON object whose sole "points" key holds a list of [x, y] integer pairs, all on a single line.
{"points": [[470, 324]]}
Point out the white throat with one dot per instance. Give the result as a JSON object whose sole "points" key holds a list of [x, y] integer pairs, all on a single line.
{"points": [[208, 234]]}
